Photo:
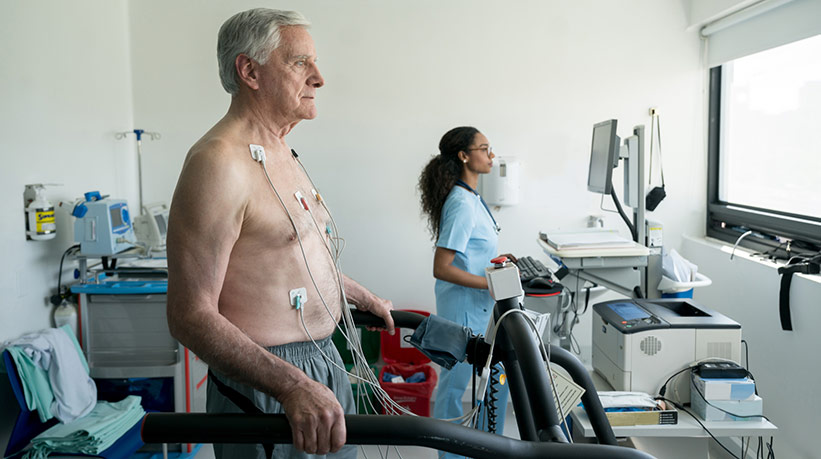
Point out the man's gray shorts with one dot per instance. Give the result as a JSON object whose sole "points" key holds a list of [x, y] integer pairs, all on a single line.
{"points": [[307, 358]]}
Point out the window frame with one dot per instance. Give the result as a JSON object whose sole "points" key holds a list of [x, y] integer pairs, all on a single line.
{"points": [[722, 216]]}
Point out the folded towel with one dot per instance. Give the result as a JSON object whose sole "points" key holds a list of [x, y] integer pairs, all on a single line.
{"points": [[91, 434], [53, 355], [34, 380]]}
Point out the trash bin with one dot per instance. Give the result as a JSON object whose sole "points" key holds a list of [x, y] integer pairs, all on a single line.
{"points": [[370, 345], [414, 396], [396, 348], [402, 359], [673, 289]]}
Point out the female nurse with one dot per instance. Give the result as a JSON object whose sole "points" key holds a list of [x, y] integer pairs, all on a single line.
{"points": [[466, 236]]}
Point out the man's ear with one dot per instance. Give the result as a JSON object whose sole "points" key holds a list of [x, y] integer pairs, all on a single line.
{"points": [[247, 71]]}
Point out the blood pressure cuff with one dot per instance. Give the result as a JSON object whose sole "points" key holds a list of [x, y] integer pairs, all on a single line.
{"points": [[443, 341]]}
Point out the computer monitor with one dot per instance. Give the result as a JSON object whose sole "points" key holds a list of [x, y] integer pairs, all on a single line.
{"points": [[603, 155], [151, 227]]}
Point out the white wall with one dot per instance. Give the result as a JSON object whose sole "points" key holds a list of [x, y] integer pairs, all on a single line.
{"points": [[533, 76], [65, 87], [785, 363], [66, 90], [702, 12]]}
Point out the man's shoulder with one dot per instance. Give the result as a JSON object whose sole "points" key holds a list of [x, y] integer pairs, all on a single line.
{"points": [[216, 154]]}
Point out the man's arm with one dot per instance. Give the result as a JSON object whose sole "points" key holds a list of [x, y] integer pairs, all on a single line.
{"points": [[364, 300], [210, 215]]}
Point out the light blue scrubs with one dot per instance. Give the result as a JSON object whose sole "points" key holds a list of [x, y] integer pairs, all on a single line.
{"points": [[467, 228]]}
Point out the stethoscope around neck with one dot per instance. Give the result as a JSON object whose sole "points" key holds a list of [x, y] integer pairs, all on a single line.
{"points": [[464, 185]]}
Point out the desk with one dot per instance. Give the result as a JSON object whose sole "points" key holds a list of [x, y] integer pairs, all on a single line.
{"points": [[615, 268], [684, 440]]}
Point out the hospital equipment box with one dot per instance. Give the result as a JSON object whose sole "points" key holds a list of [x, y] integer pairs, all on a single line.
{"points": [[642, 418], [104, 227], [128, 346], [727, 410], [639, 344], [724, 388]]}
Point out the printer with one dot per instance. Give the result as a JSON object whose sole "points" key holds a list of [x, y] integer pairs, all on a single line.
{"points": [[638, 344]]}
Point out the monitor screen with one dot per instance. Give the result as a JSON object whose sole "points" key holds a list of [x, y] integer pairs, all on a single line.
{"points": [[161, 225], [116, 217], [629, 311], [603, 154]]}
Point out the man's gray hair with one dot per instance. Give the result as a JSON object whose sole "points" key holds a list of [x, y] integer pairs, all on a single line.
{"points": [[254, 33]]}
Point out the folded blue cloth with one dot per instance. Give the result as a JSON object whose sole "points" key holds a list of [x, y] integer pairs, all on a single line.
{"points": [[443, 341], [416, 377]]}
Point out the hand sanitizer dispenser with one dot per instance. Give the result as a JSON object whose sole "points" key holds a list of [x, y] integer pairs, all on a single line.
{"points": [[501, 186]]}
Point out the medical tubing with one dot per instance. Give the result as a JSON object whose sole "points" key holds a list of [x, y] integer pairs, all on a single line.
{"points": [[356, 346], [533, 371], [368, 430], [359, 360], [590, 399]]}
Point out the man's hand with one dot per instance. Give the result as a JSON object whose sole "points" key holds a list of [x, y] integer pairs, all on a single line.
{"points": [[366, 301], [316, 417], [382, 308]]}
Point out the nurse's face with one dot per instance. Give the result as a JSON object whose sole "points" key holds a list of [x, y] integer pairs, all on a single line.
{"points": [[479, 155]]}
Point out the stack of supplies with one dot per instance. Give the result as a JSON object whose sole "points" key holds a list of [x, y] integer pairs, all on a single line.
{"points": [[725, 397], [90, 434], [635, 408]]}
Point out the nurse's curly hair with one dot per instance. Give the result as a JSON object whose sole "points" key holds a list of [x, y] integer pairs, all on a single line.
{"points": [[441, 173]]}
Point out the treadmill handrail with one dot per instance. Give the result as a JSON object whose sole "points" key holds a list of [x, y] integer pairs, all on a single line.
{"points": [[369, 430]]}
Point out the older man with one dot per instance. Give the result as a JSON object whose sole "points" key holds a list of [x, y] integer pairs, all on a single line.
{"points": [[260, 235]]}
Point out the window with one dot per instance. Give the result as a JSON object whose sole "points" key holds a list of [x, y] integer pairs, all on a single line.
{"points": [[765, 148]]}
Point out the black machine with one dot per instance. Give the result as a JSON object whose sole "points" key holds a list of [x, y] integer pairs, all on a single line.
{"points": [[530, 391]]}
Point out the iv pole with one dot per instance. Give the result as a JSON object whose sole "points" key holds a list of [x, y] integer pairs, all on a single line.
{"points": [[139, 133]]}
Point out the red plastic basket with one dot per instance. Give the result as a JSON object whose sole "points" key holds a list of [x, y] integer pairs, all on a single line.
{"points": [[395, 348], [413, 396]]}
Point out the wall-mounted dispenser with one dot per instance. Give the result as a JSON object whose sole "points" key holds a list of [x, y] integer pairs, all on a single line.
{"points": [[501, 186], [40, 223]]}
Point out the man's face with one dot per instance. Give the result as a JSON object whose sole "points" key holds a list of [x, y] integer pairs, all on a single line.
{"points": [[290, 78]]}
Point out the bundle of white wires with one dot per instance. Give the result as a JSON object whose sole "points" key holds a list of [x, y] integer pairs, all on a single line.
{"points": [[361, 372]]}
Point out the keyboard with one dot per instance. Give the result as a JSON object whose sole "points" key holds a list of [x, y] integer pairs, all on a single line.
{"points": [[530, 268]]}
